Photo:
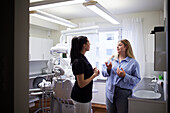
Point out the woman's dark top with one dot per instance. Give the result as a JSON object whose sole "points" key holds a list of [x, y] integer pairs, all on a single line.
{"points": [[82, 66]]}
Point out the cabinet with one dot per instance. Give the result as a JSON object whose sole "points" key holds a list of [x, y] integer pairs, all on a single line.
{"points": [[46, 46], [140, 105], [146, 106], [99, 96], [39, 48]]}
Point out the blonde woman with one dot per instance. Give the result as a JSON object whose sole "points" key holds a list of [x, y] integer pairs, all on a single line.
{"points": [[123, 74]]}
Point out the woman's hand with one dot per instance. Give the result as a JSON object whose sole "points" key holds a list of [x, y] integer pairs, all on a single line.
{"points": [[83, 82], [121, 73], [96, 72], [109, 66]]}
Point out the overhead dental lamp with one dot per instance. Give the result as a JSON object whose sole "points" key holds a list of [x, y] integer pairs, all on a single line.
{"points": [[57, 64], [59, 48]]}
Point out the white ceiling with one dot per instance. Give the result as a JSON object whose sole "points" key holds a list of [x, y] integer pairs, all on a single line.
{"points": [[116, 7]]}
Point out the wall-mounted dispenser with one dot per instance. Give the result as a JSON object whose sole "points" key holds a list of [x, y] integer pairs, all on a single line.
{"points": [[160, 51]]}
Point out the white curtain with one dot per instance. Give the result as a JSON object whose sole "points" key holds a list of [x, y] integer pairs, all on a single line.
{"points": [[133, 31]]}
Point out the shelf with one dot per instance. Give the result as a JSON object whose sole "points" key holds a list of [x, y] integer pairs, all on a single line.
{"points": [[40, 75], [37, 60]]}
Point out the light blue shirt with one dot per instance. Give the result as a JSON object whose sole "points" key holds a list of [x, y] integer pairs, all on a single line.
{"points": [[132, 77]]}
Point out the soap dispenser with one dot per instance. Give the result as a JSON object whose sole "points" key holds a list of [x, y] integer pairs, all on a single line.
{"points": [[160, 80]]}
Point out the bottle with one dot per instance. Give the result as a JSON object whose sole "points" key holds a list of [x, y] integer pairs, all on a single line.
{"points": [[160, 80]]}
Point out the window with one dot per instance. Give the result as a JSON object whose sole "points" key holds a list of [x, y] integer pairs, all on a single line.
{"points": [[103, 46], [97, 51], [109, 51], [107, 47], [97, 65]]}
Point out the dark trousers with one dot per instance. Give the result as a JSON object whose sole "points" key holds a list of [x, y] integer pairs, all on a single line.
{"points": [[120, 101]]}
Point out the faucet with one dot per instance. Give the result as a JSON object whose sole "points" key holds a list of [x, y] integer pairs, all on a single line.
{"points": [[156, 89]]}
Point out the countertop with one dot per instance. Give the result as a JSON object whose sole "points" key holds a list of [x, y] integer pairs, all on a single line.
{"points": [[32, 76], [144, 84]]}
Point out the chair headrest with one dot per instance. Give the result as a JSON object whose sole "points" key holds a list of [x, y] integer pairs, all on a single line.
{"points": [[37, 80]]}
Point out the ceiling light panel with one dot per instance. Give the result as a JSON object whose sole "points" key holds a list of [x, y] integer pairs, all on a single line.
{"points": [[52, 18], [101, 11], [53, 3]]}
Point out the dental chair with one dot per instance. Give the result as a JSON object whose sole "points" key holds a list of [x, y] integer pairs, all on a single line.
{"points": [[41, 93], [62, 102]]}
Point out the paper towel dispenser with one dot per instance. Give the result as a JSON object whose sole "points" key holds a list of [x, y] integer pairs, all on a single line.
{"points": [[160, 51]]}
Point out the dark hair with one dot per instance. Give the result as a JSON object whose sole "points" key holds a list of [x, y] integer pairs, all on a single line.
{"points": [[77, 46]]}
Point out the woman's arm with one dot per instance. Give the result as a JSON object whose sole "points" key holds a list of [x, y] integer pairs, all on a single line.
{"points": [[132, 79], [135, 77], [80, 78]]}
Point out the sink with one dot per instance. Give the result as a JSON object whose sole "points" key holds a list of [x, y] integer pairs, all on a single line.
{"points": [[146, 94]]}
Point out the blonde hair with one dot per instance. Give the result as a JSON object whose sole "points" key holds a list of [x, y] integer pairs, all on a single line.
{"points": [[129, 50]]}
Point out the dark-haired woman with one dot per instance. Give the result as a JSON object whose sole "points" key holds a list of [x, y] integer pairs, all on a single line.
{"points": [[84, 75]]}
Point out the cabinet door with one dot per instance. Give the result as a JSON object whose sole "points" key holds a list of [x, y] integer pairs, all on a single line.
{"points": [[146, 106], [46, 46], [99, 96], [35, 49]]}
